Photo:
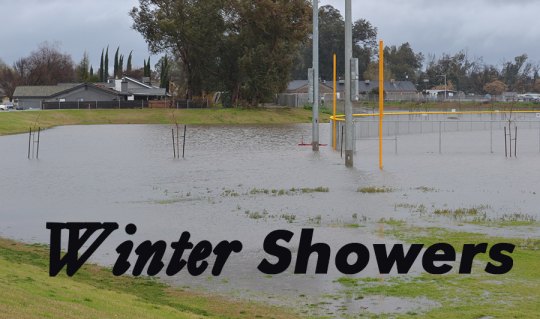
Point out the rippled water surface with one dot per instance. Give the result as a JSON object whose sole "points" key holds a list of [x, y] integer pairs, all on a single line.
{"points": [[222, 190]]}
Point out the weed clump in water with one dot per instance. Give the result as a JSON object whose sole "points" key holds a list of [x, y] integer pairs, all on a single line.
{"points": [[374, 190]]}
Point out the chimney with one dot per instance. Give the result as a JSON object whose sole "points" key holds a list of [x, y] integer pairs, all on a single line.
{"points": [[146, 80], [124, 86]]}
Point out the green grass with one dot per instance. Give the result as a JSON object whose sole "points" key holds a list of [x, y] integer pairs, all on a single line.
{"points": [[27, 291], [374, 190], [478, 295], [19, 122]]}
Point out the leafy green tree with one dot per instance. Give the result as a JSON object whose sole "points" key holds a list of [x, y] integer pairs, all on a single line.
{"points": [[147, 72], [163, 66], [457, 69], [245, 48], [270, 33], [403, 62], [82, 68], [332, 40], [193, 30]]}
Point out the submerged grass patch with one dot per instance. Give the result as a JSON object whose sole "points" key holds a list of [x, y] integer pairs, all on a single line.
{"points": [[27, 291], [374, 189], [477, 295]]}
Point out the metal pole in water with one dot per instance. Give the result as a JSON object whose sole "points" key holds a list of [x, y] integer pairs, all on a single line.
{"points": [[440, 137], [341, 141], [184, 143], [173, 145], [510, 136], [315, 137], [177, 141], [348, 102], [381, 101], [334, 103], [505, 147], [515, 143], [29, 141], [491, 136], [37, 152]]}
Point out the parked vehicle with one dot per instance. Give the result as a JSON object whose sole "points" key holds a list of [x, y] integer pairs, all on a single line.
{"points": [[3, 107]]}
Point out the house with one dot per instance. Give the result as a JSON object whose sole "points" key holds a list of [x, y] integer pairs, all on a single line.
{"points": [[136, 90], [62, 96], [117, 93], [394, 90], [302, 86], [3, 97], [441, 94]]}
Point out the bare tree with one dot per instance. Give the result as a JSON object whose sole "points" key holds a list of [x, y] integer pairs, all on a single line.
{"points": [[8, 79], [46, 66]]}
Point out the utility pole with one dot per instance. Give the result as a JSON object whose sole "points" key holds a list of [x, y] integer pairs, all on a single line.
{"points": [[348, 102], [315, 137]]}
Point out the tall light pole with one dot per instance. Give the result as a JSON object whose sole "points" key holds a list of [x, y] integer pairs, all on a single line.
{"points": [[445, 87], [315, 130], [348, 102]]}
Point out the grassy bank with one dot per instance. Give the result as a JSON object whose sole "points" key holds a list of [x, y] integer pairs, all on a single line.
{"points": [[26, 291], [19, 122]]}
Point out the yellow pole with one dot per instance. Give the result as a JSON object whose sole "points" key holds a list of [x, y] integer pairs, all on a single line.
{"points": [[381, 101], [334, 108]]}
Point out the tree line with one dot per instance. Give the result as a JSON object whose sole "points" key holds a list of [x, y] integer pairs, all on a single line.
{"points": [[251, 50], [47, 65]]}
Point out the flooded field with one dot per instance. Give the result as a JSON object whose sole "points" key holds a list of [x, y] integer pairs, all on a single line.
{"points": [[242, 182]]}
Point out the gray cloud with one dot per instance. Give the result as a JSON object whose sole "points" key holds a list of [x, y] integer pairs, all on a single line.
{"points": [[78, 26], [496, 30]]}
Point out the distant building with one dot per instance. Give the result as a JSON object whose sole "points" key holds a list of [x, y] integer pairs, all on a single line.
{"points": [[136, 90], [87, 95], [394, 90], [37, 97], [3, 97], [302, 86]]}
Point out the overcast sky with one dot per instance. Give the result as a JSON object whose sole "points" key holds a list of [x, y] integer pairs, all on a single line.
{"points": [[496, 30]]}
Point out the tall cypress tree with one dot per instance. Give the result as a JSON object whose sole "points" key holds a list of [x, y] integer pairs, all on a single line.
{"points": [[120, 65], [101, 65], [128, 66], [106, 73], [115, 72]]}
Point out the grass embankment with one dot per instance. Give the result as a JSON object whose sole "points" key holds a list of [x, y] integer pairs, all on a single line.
{"points": [[477, 295], [26, 291], [19, 122]]}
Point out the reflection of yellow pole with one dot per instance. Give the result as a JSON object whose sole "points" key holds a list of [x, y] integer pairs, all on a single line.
{"points": [[334, 108], [381, 101]]}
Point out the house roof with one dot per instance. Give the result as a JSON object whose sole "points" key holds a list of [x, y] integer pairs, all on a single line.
{"points": [[296, 84], [81, 85], [148, 92], [37, 91], [48, 91], [366, 86]]}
